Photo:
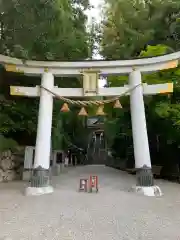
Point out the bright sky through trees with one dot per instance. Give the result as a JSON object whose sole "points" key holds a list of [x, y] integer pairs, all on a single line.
{"points": [[95, 13]]}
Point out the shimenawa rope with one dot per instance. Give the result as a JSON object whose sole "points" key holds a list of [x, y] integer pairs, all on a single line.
{"points": [[89, 102]]}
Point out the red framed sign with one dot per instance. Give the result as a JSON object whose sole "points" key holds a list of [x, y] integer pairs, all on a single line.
{"points": [[83, 185], [93, 183]]}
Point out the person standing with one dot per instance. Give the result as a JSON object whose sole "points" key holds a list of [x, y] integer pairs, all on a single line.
{"points": [[66, 160]]}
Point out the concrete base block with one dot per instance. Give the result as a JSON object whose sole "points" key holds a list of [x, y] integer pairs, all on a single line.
{"points": [[153, 191], [26, 175], [36, 191], [56, 170]]}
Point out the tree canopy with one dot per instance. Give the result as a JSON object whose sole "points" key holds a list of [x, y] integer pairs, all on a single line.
{"points": [[132, 29], [129, 26], [39, 30], [44, 30]]}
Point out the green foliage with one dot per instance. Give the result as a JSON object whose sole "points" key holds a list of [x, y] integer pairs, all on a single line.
{"points": [[6, 143], [129, 26], [40, 30], [44, 30], [152, 51], [16, 117], [68, 128], [131, 30]]}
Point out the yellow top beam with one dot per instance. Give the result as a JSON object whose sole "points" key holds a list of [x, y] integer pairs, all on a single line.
{"points": [[171, 64], [13, 68], [169, 88], [14, 91]]}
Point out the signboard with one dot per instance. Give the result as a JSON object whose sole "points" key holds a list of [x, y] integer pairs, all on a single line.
{"points": [[93, 183], [83, 185], [90, 83]]}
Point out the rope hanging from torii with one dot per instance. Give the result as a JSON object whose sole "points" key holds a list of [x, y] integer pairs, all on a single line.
{"points": [[86, 103]]}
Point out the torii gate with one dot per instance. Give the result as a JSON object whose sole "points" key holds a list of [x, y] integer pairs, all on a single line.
{"points": [[90, 70]]}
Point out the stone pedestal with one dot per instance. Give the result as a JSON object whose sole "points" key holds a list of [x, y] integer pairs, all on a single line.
{"points": [[34, 191], [153, 191], [144, 177], [40, 182]]}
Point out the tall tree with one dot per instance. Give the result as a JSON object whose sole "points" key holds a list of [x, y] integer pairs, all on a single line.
{"points": [[129, 26], [133, 29], [39, 30], [44, 30]]}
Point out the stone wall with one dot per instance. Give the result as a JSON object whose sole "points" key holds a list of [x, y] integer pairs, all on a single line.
{"points": [[11, 165]]}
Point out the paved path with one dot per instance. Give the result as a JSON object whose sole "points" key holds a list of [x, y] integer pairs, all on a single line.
{"points": [[112, 214]]}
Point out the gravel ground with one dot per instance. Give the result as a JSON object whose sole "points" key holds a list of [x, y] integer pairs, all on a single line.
{"points": [[112, 214]]}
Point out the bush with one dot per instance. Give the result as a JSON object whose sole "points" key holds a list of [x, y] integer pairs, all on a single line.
{"points": [[7, 143]]}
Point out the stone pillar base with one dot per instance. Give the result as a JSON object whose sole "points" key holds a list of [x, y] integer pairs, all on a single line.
{"points": [[36, 191], [144, 177], [40, 177], [145, 183], [39, 182], [153, 191]]}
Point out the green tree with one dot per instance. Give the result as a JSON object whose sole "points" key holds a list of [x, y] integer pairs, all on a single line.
{"points": [[129, 26], [162, 114], [38, 30], [44, 30]]}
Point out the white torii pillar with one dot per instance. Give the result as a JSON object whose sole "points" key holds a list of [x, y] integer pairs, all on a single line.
{"points": [[145, 183], [40, 177]]}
